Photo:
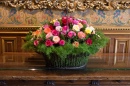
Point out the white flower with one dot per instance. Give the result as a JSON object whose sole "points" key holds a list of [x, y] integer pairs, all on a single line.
{"points": [[93, 29], [58, 28], [80, 25], [76, 28], [56, 39]]}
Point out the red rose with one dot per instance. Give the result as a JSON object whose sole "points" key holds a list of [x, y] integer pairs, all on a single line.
{"points": [[48, 43], [51, 27], [64, 20], [55, 32], [89, 41]]}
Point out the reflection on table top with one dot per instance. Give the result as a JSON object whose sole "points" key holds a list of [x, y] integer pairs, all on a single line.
{"points": [[30, 66], [34, 61]]}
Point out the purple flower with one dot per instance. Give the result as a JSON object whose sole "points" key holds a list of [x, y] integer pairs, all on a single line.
{"points": [[75, 21], [57, 23]]}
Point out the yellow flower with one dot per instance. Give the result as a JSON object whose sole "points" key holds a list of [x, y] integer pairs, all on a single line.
{"points": [[88, 30], [53, 21]]}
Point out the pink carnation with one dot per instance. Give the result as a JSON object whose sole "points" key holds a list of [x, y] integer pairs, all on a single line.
{"points": [[36, 42], [62, 42], [48, 43]]}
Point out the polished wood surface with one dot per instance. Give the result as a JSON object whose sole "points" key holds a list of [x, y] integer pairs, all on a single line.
{"points": [[30, 66]]}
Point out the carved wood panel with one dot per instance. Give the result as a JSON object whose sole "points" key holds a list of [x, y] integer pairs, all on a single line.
{"points": [[9, 44], [122, 45]]}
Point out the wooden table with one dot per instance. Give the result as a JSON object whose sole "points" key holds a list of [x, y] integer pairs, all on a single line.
{"points": [[29, 69]]}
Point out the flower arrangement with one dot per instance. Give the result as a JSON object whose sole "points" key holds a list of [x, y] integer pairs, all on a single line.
{"points": [[67, 36]]}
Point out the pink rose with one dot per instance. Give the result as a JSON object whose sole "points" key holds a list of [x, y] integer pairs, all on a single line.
{"points": [[89, 41], [56, 39], [71, 34], [70, 20], [48, 35], [46, 26], [65, 29], [62, 42], [36, 42], [81, 35], [55, 32], [48, 43], [84, 22]]}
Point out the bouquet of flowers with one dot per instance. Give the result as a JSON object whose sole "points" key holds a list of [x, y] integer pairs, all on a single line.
{"points": [[64, 38]]}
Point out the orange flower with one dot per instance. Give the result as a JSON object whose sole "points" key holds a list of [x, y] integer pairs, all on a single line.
{"points": [[76, 44], [37, 33], [47, 30]]}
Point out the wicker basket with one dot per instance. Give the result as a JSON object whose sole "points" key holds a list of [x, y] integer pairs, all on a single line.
{"points": [[71, 62]]}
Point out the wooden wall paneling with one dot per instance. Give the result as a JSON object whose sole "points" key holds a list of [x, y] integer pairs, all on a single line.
{"points": [[122, 45], [19, 44], [22, 42], [9, 44], [0, 45], [107, 48]]}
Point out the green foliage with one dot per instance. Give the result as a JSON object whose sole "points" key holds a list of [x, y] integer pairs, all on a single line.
{"points": [[99, 41]]}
